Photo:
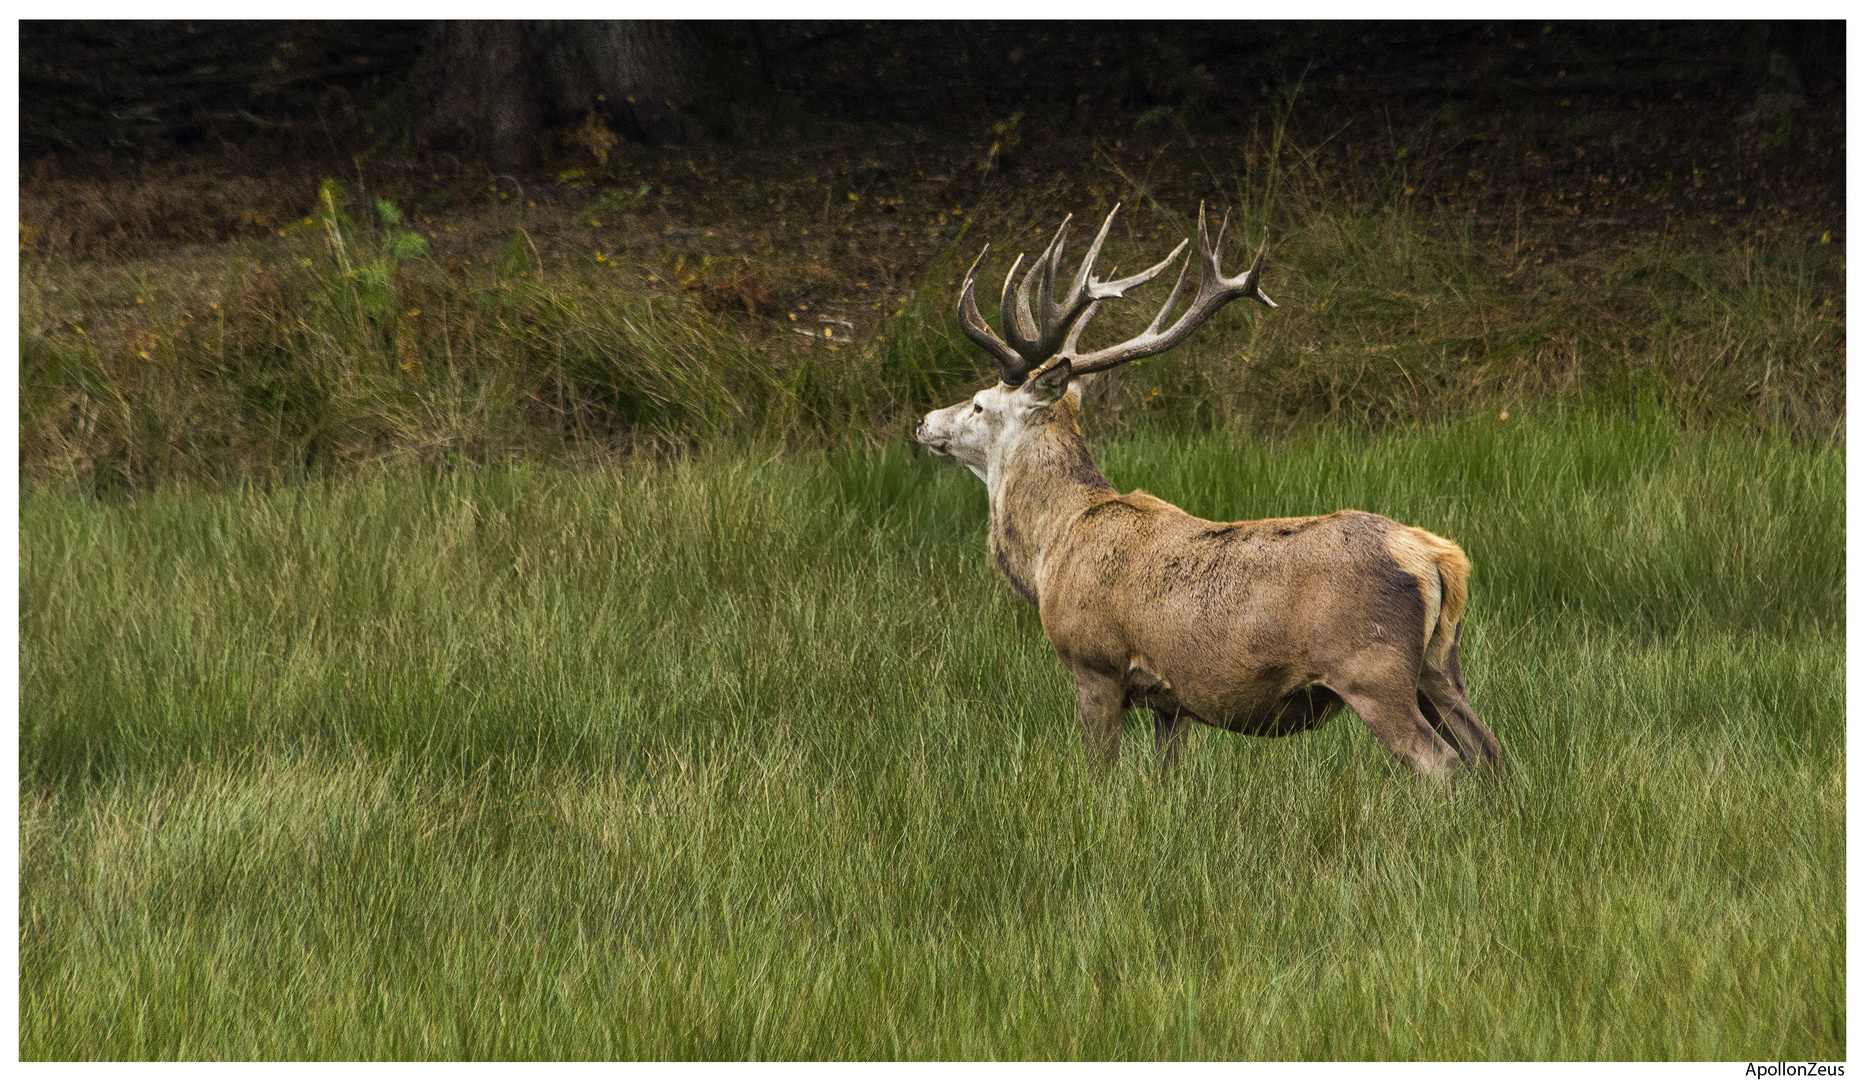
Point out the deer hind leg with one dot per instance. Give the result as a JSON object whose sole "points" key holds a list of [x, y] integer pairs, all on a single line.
{"points": [[1435, 718], [1392, 712], [1441, 685]]}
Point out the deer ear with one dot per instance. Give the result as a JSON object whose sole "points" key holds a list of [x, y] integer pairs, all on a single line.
{"points": [[1051, 382]]}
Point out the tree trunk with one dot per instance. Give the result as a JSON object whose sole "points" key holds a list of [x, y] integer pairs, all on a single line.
{"points": [[491, 89]]}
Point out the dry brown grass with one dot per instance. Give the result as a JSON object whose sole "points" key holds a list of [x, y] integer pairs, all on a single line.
{"points": [[179, 321]]}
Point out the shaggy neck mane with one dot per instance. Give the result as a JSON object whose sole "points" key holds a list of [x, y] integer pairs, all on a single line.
{"points": [[1037, 487]]}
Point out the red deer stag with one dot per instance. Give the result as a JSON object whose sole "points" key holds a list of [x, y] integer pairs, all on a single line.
{"points": [[1262, 627]]}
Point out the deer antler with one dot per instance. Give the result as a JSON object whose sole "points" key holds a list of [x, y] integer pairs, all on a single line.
{"points": [[1035, 337], [1214, 291]]}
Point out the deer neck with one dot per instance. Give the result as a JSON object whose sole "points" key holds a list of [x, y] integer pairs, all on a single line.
{"points": [[1038, 485]]}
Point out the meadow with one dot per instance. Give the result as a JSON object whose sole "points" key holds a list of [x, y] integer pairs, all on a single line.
{"points": [[746, 753], [473, 616]]}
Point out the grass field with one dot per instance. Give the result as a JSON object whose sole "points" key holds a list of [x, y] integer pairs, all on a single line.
{"points": [[752, 756]]}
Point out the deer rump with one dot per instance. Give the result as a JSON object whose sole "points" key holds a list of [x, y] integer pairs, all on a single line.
{"points": [[1247, 626]]}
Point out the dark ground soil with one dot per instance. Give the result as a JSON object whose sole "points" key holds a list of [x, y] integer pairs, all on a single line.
{"points": [[865, 148]]}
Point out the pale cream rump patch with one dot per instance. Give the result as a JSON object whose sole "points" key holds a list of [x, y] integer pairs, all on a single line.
{"points": [[1443, 574]]}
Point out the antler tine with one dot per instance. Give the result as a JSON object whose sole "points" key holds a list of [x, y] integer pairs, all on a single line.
{"points": [[1074, 333], [1078, 289], [1214, 291], [1033, 333], [1253, 277], [1054, 321], [1046, 308], [1059, 318], [980, 331], [1173, 299], [971, 272], [1217, 249], [1107, 290], [1022, 332], [1003, 302], [1006, 313], [1052, 332]]}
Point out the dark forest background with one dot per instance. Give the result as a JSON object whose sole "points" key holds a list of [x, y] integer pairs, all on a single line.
{"points": [[302, 244], [496, 88]]}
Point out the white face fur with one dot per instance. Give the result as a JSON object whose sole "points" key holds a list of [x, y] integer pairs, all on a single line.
{"points": [[981, 430]]}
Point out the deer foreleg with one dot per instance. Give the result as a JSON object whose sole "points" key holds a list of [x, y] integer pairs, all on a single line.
{"points": [[1169, 730], [1102, 699]]}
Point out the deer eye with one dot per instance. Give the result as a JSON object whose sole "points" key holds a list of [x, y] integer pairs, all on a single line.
{"points": [[976, 409]]}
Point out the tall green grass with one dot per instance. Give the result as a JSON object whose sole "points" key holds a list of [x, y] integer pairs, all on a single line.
{"points": [[749, 755]]}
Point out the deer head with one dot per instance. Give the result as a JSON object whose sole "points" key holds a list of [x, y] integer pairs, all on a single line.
{"points": [[1038, 358]]}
